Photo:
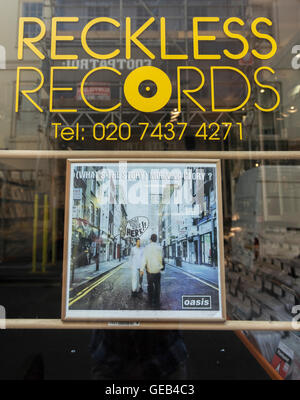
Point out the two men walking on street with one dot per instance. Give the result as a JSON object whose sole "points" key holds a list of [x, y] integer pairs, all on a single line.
{"points": [[151, 260]]}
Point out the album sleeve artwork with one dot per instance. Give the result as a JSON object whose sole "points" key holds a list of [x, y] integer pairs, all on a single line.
{"points": [[143, 242]]}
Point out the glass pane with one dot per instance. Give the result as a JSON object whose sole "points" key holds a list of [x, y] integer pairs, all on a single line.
{"points": [[218, 84]]}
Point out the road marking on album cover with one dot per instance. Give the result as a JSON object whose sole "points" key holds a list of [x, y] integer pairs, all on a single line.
{"points": [[85, 291], [195, 277]]}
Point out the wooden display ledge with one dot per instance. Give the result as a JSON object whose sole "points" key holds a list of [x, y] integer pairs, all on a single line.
{"points": [[132, 154], [274, 375], [217, 326]]}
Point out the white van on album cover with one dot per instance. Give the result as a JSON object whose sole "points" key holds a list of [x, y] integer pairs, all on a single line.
{"points": [[143, 241]]}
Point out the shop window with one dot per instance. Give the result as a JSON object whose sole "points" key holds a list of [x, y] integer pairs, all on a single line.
{"points": [[145, 12], [28, 120], [96, 11], [31, 9], [195, 11]]}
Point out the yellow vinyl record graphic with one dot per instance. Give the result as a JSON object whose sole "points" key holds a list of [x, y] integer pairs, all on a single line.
{"points": [[159, 82]]}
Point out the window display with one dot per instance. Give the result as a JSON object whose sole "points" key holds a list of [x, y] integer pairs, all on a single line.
{"points": [[146, 238], [152, 82]]}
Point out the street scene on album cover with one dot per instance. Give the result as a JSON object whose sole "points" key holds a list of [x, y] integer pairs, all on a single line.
{"points": [[143, 237]]}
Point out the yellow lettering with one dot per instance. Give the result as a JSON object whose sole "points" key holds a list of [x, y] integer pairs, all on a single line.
{"points": [[235, 36], [188, 91], [29, 41], [53, 89], [56, 125], [196, 38], [213, 108], [82, 89], [134, 38], [164, 55], [55, 38], [84, 38], [25, 92], [67, 133], [266, 87], [263, 36]]}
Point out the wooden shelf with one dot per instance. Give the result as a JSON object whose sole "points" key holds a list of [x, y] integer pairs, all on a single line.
{"points": [[229, 325], [154, 155]]}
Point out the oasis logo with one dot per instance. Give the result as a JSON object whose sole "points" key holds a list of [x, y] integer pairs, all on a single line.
{"points": [[196, 302]]}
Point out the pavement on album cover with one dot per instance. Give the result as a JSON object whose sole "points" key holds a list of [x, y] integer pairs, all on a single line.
{"points": [[113, 291]]}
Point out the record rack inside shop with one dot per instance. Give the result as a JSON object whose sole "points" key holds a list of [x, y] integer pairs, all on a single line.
{"points": [[238, 323]]}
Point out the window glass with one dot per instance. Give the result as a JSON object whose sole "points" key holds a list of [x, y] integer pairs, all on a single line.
{"points": [[231, 107]]}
